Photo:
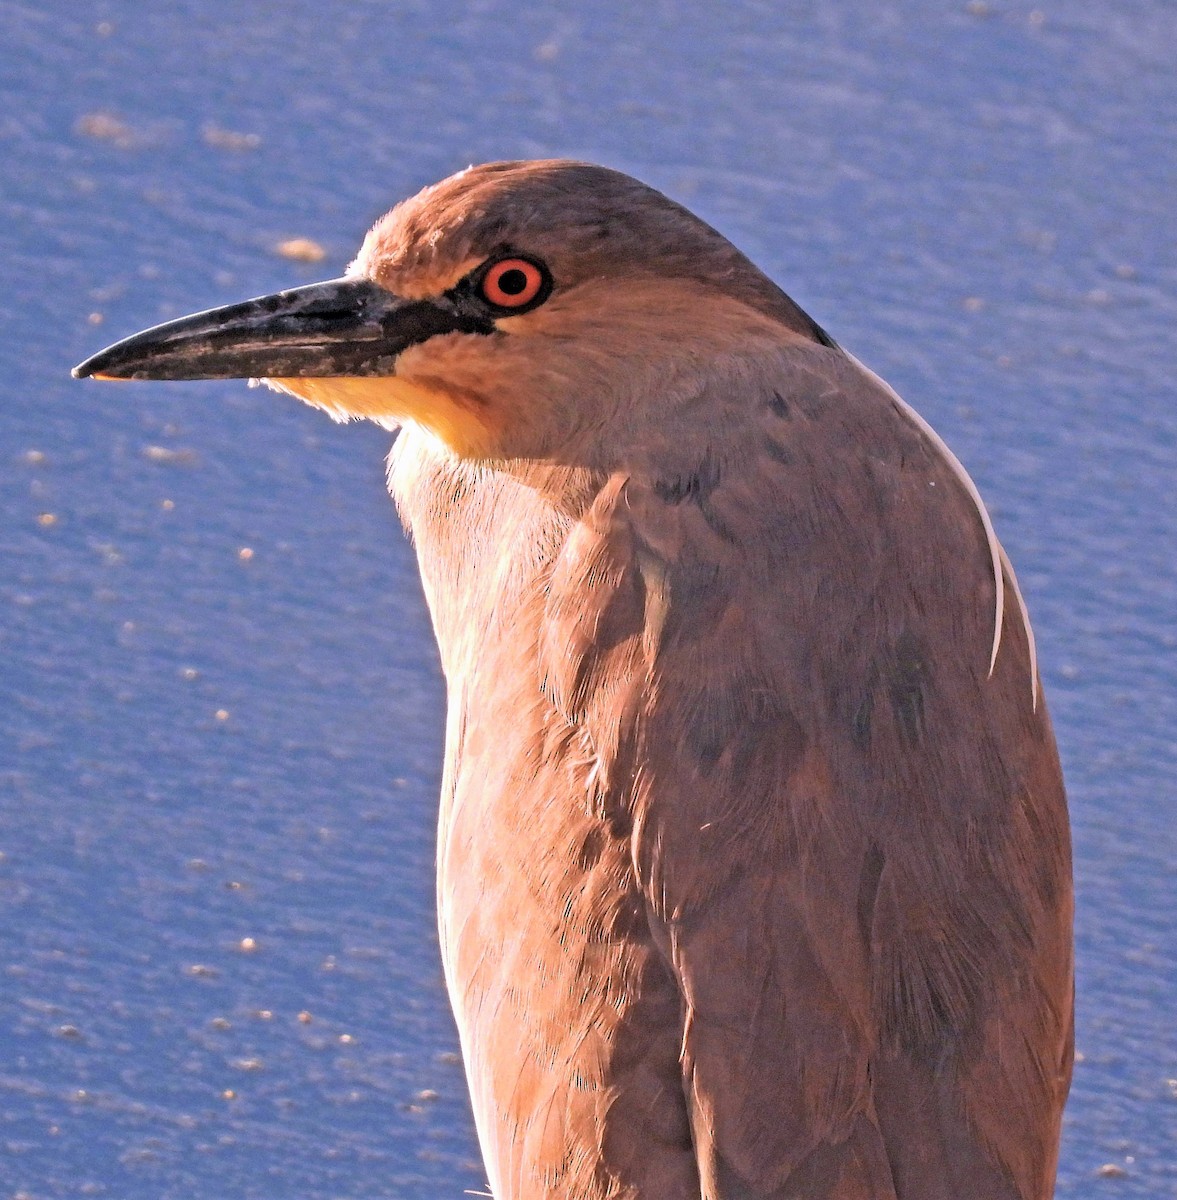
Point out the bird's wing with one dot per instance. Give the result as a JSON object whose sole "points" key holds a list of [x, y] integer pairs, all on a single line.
{"points": [[851, 836]]}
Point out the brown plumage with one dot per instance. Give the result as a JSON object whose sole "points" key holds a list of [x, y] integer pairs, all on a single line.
{"points": [[753, 872]]}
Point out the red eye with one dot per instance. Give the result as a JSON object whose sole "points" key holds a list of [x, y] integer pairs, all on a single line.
{"points": [[513, 283]]}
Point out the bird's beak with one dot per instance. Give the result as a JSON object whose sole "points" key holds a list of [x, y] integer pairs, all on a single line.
{"points": [[341, 327]]}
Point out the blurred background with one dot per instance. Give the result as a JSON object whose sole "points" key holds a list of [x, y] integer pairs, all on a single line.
{"points": [[220, 705]]}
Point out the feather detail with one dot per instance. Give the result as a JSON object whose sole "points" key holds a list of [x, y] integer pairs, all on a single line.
{"points": [[997, 554]]}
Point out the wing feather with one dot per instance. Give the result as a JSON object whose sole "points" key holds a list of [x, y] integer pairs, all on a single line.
{"points": [[847, 817]]}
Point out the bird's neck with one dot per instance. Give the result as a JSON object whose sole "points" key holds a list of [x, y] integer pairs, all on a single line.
{"points": [[487, 532], [485, 537]]}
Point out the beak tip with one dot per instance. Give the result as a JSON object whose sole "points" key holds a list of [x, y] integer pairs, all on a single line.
{"points": [[90, 368], [98, 366]]}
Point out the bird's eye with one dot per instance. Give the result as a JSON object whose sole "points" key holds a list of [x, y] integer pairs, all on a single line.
{"points": [[514, 283]]}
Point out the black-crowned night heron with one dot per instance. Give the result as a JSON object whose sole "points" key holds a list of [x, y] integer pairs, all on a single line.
{"points": [[753, 863]]}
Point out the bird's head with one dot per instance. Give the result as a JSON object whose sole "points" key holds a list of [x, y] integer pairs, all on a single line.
{"points": [[527, 309]]}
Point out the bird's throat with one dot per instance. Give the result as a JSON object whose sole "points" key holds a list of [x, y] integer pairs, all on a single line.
{"points": [[459, 420]]}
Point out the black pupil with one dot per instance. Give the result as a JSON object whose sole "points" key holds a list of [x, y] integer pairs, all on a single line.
{"points": [[512, 282]]}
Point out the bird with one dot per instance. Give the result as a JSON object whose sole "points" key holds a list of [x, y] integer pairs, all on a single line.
{"points": [[753, 854]]}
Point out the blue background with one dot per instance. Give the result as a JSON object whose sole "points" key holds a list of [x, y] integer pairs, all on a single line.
{"points": [[977, 199]]}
